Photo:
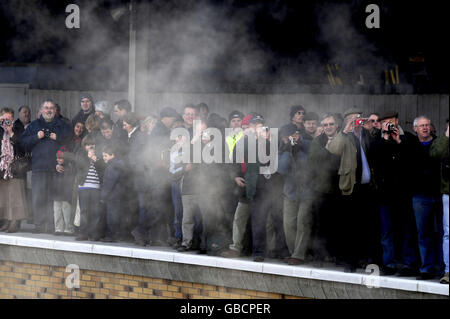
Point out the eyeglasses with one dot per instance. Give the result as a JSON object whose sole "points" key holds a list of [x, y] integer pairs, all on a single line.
{"points": [[328, 124], [300, 112], [424, 125], [374, 121]]}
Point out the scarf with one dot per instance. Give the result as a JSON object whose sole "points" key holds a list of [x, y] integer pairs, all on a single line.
{"points": [[7, 157]]}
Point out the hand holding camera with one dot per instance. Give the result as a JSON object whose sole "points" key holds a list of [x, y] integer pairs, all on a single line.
{"points": [[7, 125], [390, 131]]}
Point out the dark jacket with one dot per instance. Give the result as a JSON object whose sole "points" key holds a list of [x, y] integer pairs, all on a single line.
{"points": [[63, 183], [439, 150], [119, 132], [82, 117], [348, 147], [390, 165], [114, 187], [324, 167], [18, 127], [43, 151], [82, 163], [425, 175]]}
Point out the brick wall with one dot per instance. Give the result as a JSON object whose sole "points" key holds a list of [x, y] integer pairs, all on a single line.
{"points": [[21, 280]]}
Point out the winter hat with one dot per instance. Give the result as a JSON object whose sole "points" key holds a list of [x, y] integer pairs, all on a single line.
{"points": [[246, 120], [103, 106], [61, 151], [234, 115], [86, 96]]}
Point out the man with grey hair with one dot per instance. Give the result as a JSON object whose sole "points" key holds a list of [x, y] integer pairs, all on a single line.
{"points": [[43, 137], [427, 204], [358, 221]]}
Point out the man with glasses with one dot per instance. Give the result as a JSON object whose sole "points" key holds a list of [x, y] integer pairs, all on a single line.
{"points": [[427, 204], [358, 218], [189, 115], [43, 137]]}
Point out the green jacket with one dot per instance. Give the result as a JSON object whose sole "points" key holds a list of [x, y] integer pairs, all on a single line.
{"points": [[439, 149], [343, 145]]}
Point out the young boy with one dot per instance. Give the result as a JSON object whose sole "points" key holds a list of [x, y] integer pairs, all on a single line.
{"points": [[112, 193], [90, 168], [63, 180]]}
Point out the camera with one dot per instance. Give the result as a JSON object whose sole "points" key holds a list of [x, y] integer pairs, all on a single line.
{"points": [[359, 122], [390, 128], [205, 136], [47, 133], [293, 141], [5, 122]]}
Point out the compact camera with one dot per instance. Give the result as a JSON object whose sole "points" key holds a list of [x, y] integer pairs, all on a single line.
{"points": [[390, 128], [5, 122], [47, 133], [359, 122]]}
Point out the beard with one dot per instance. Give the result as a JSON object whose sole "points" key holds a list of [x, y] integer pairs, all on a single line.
{"points": [[47, 117]]}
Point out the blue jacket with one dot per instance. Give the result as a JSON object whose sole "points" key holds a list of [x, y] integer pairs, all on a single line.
{"points": [[114, 186], [43, 151]]}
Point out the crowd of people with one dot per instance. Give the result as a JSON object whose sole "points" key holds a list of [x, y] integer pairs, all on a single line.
{"points": [[349, 189]]}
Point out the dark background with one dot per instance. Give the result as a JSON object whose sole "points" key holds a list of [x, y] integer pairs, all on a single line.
{"points": [[33, 33]]}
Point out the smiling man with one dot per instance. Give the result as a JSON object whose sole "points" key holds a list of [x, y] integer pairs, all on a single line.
{"points": [[43, 138], [87, 108]]}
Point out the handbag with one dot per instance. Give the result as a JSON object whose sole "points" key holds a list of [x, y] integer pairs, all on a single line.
{"points": [[20, 165]]}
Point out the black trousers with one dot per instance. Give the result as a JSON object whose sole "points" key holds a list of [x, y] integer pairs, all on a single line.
{"points": [[359, 227], [268, 199], [326, 209]]}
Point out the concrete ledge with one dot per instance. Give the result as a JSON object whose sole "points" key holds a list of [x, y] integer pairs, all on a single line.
{"points": [[242, 273]]}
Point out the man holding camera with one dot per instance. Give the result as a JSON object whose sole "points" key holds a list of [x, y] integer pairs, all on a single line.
{"points": [[398, 231], [43, 138], [358, 221]]}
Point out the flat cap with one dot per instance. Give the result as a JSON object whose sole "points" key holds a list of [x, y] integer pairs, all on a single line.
{"points": [[352, 110], [387, 115]]}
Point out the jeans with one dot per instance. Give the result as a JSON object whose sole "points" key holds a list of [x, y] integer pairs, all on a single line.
{"points": [[41, 198], [428, 210], [397, 222], [145, 215], [445, 222], [91, 219], [113, 214], [178, 208]]}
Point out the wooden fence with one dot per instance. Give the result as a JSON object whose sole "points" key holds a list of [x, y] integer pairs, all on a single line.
{"points": [[274, 107]]}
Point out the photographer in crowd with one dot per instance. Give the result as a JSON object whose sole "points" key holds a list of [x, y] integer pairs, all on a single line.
{"points": [[12, 175], [43, 137], [398, 231], [359, 221]]}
